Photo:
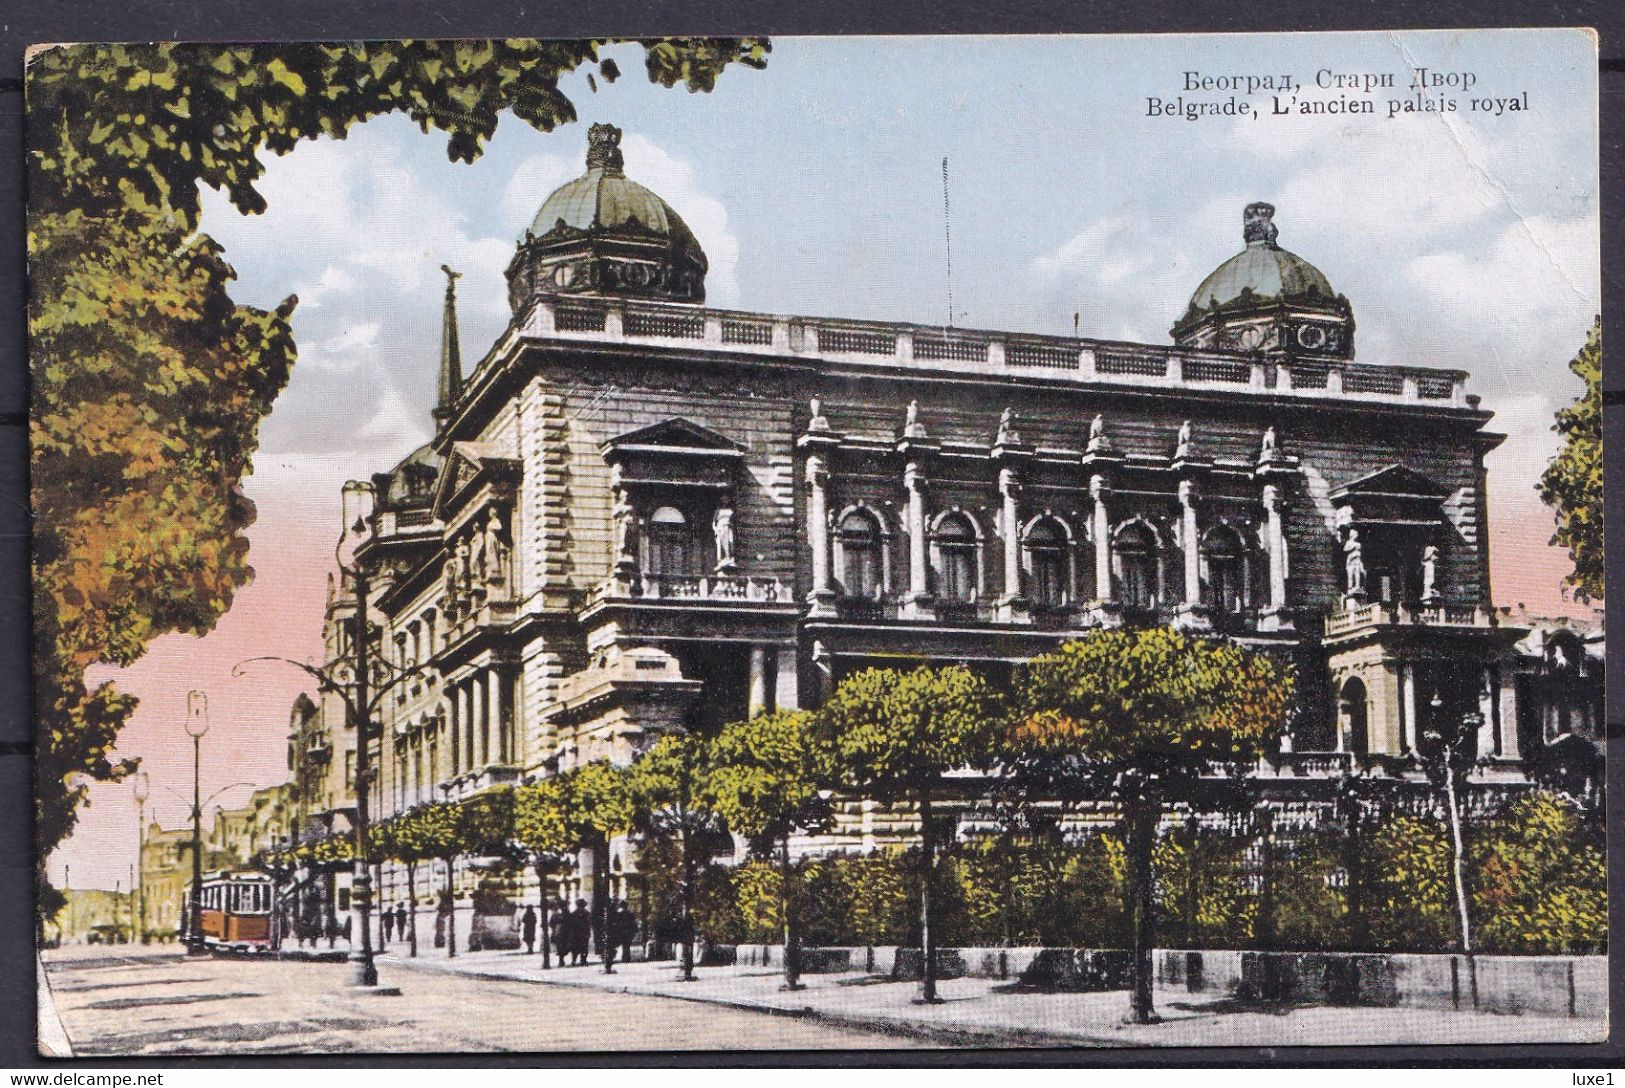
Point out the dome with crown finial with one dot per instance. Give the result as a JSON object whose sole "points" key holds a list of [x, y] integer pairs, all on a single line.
{"points": [[604, 234], [1267, 298]]}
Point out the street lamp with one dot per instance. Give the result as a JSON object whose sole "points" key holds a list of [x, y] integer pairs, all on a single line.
{"points": [[197, 724], [143, 790], [355, 510]]}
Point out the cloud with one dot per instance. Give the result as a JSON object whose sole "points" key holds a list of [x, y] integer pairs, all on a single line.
{"points": [[532, 182], [354, 346], [333, 280], [675, 182]]}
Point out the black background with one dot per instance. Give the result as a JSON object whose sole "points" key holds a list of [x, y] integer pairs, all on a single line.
{"points": [[24, 22]]}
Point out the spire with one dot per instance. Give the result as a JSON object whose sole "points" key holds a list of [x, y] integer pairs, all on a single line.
{"points": [[451, 357]]}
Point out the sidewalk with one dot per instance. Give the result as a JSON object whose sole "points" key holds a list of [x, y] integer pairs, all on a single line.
{"points": [[985, 1012]]}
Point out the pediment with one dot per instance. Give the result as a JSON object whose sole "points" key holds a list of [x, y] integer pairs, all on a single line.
{"points": [[1396, 481], [676, 435], [465, 463]]}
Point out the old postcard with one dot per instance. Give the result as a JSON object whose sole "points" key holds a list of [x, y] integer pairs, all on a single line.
{"points": [[896, 542]]}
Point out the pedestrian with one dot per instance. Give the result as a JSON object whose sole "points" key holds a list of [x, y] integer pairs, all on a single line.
{"points": [[617, 934], [388, 924], [400, 919], [580, 934], [628, 929], [527, 925], [560, 917]]}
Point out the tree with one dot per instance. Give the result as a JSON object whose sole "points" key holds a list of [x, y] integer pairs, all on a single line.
{"points": [[542, 827], [894, 735], [600, 808], [765, 781], [1572, 483], [149, 382], [1144, 717], [436, 831], [665, 787], [1541, 879]]}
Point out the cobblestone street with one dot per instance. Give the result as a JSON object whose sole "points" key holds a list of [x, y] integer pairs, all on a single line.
{"points": [[151, 1001]]}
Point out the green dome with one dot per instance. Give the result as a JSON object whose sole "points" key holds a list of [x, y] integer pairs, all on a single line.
{"points": [[605, 200], [1266, 271]]}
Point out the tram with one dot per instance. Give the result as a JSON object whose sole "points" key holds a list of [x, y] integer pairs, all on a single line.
{"points": [[235, 911]]}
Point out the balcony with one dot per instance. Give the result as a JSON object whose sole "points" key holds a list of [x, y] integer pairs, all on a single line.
{"points": [[1380, 614], [702, 588], [915, 347]]}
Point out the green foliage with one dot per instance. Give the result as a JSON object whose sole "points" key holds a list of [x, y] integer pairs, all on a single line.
{"points": [[1204, 897], [600, 800], [435, 830], [758, 892], [1410, 899], [542, 821], [1572, 483], [880, 893], [664, 786], [765, 775], [486, 822], [1142, 712], [149, 382], [1311, 910], [892, 732], [1541, 880]]}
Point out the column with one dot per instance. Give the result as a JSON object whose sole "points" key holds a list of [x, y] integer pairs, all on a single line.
{"points": [[1013, 607], [1191, 615], [481, 708], [758, 680], [823, 594], [1507, 711], [465, 698], [454, 738], [786, 689], [1105, 608], [919, 586], [1407, 706], [497, 708], [1273, 615], [1488, 733]]}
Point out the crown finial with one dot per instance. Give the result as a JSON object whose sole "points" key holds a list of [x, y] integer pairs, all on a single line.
{"points": [[1258, 223], [604, 148]]}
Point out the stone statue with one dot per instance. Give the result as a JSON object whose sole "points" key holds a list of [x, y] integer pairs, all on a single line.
{"points": [[496, 551], [1430, 572], [463, 573], [621, 513], [1007, 429], [1097, 435], [912, 418], [1354, 563], [477, 559], [1269, 449], [722, 528], [1182, 444], [454, 576]]}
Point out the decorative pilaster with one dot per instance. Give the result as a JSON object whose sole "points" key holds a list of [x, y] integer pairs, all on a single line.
{"points": [[758, 681], [1273, 616], [819, 443], [822, 597], [1488, 732], [1407, 707], [1104, 611], [1192, 614], [1010, 454], [496, 709], [918, 602], [1507, 711]]}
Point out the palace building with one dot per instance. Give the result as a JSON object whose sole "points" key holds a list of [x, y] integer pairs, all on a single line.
{"points": [[641, 514]]}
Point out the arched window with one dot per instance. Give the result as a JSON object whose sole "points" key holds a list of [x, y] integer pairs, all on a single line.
{"points": [[1046, 563], [1136, 568], [1225, 560], [1352, 703], [671, 542], [956, 554], [858, 537]]}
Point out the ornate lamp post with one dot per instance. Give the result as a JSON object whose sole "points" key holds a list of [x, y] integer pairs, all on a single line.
{"points": [[197, 724], [142, 789], [355, 527]]}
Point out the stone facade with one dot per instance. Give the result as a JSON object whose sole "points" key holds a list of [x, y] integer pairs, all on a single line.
{"points": [[641, 515]]}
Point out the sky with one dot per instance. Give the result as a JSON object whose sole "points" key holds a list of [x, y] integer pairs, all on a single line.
{"points": [[1463, 240]]}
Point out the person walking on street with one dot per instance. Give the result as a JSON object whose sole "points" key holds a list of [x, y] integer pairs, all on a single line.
{"points": [[388, 926], [527, 926], [559, 915], [580, 934], [400, 919], [619, 927]]}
